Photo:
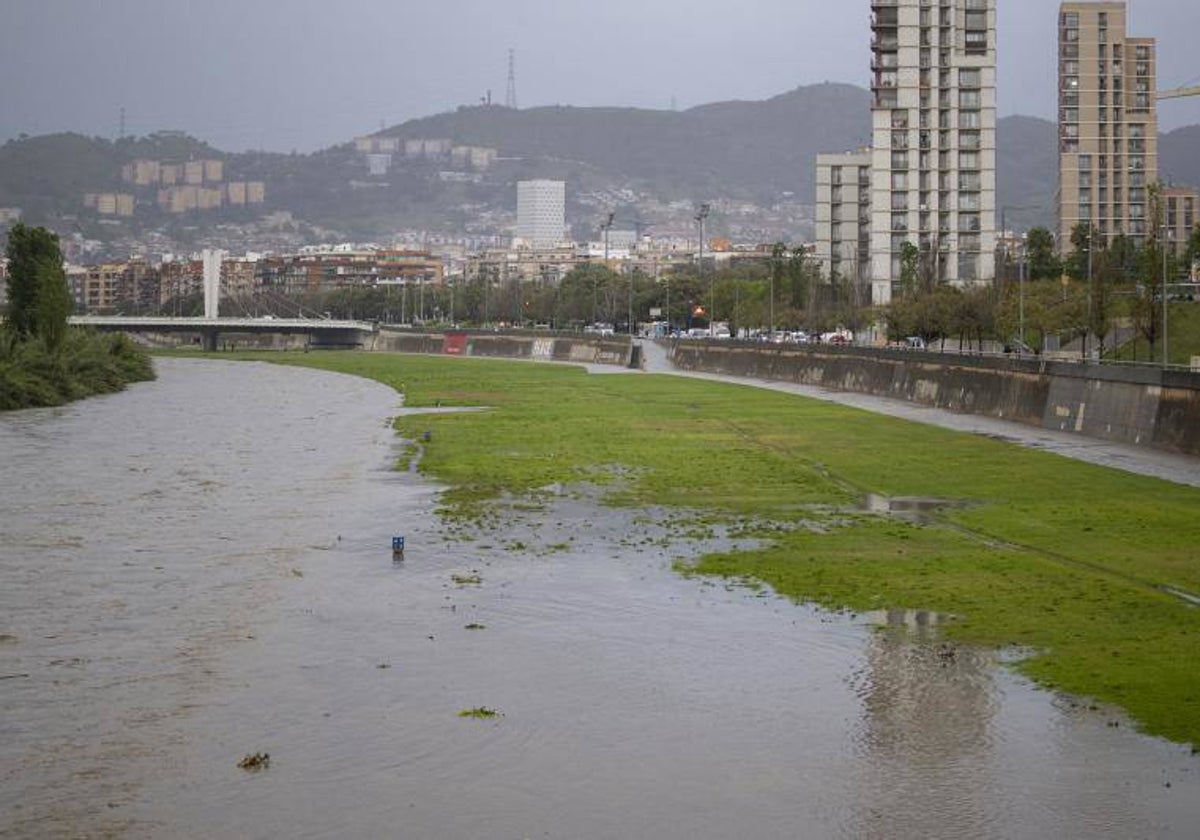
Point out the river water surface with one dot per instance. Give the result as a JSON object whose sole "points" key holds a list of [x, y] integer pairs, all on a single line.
{"points": [[199, 568]]}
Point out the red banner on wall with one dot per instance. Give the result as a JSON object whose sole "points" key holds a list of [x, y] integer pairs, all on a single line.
{"points": [[454, 344]]}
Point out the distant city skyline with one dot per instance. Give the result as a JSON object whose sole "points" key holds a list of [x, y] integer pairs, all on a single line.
{"points": [[286, 75]]}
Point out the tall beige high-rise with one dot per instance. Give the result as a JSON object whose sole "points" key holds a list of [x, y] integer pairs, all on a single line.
{"points": [[933, 148], [1107, 123]]}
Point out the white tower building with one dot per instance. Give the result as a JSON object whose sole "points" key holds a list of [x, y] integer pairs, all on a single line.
{"points": [[933, 147], [541, 213]]}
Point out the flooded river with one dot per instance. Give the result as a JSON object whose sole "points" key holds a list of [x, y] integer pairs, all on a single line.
{"points": [[199, 569]]}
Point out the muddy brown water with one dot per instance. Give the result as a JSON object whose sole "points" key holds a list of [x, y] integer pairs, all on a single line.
{"points": [[199, 569]]}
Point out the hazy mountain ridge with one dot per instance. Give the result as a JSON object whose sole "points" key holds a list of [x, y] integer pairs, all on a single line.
{"points": [[756, 151]]}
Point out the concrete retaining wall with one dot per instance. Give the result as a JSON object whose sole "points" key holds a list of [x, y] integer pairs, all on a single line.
{"points": [[1144, 406], [550, 347]]}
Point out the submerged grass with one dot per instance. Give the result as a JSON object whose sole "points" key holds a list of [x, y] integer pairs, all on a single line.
{"points": [[1059, 557]]}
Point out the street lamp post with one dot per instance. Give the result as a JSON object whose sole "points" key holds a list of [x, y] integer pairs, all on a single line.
{"points": [[667, 307], [604, 227], [1166, 232], [1020, 265], [1021, 298], [712, 303], [1087, 328]]}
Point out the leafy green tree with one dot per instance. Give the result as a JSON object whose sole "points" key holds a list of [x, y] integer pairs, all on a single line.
{"points": [[910, 267], [39, 301], [1083, 238], [1039, 248]]}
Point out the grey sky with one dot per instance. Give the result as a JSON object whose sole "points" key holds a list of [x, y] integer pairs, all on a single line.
{"points": [[304, 74]]}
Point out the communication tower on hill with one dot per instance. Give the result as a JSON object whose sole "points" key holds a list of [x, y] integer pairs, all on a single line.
{"points": [[510, 98]]}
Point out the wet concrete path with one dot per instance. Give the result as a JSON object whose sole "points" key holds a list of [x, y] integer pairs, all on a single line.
{"points": [[1180, 469]]}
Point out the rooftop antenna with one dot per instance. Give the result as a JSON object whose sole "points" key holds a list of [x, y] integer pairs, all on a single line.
{"points": [[510, 98]]}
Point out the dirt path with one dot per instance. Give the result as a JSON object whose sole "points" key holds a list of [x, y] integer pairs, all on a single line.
{"points": [[1181, 469]]}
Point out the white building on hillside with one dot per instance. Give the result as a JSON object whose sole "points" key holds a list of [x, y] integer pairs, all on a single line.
{"points": [[541, 213]]}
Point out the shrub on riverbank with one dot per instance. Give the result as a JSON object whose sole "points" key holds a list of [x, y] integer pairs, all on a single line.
{"points": [[42, 360], [86, 363]]}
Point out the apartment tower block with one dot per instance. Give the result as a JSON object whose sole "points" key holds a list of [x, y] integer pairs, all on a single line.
{"points": [[541, 213], [933, 146], [843, 244], [1107, 123]]}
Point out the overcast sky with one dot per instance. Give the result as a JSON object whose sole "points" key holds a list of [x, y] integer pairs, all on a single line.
{"points": [[305, 74]]}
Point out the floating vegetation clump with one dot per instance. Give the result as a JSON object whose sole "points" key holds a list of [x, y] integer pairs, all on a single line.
{"points": [[255, 761], [479, 712]]}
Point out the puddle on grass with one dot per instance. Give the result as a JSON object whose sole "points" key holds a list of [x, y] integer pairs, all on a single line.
{"points": [[912, 508]]}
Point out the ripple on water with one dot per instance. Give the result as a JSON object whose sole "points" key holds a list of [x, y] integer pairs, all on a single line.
{"points": [[635, 702]]}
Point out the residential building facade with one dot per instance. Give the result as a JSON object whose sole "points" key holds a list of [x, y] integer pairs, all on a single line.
{"points": [[843, 229], [933, 148], [1180, 206], [1107, 123]]}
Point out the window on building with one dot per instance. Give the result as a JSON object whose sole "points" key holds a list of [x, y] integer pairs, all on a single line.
{"points": [[968, 267]]}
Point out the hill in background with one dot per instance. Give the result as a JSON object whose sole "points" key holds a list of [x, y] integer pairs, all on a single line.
{"points": [[762, 153]]}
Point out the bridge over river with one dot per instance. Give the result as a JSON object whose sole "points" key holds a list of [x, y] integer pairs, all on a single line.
{"points": [[322, 332]]}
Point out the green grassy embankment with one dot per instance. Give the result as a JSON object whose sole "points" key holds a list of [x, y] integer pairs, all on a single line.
{"points": [[1058, 556], [1183, 338]]}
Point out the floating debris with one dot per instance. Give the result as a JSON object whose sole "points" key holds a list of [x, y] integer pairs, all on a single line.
{"points": [[255, 761], [472, 579], [475, 626], [479, 712]]}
